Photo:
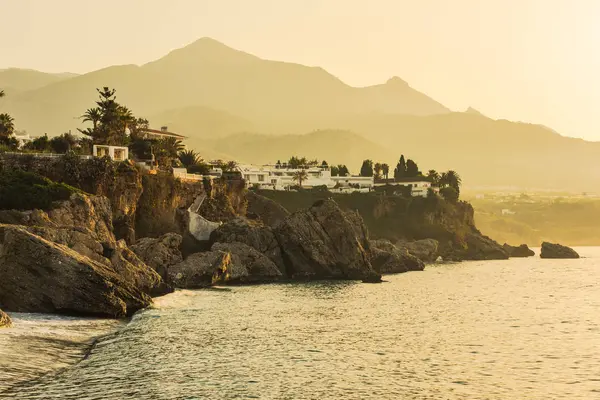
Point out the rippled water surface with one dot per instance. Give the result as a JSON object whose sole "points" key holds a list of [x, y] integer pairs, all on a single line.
{"points": [[518, 329]]}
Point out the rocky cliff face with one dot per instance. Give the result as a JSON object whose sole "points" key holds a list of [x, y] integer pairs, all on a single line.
{"points": [[5, 321]]}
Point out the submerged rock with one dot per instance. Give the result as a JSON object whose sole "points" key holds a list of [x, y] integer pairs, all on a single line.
{"points": [[160, 253], [518, 251], [37, 275], [321, 243], [5, 321], [555, 250], [425, 249], [389, 259]]}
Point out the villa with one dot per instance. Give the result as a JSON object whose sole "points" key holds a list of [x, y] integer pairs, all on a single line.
{"points": [[420, 186], [163, 133], [116, 153], [281, 177]]}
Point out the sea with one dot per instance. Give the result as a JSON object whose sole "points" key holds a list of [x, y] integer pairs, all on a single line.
{"points": [[516, 329]]}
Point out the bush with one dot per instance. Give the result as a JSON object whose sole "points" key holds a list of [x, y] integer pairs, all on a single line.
{"points": [[21, 190]]}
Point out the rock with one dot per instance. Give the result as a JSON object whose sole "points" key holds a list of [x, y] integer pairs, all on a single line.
{"points": [[518, 251], [255, 235], [554, 250], [159, 253], [268, 211], [475, 247], [321, 243], [201, 270], [425, 250], [37, 275], [389, 259], [5, 321], [260, 268]]}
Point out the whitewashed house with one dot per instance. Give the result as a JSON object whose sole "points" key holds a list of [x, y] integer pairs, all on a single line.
{"points": [[116, 153]]}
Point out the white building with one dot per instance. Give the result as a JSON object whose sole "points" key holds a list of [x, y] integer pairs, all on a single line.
{"points": [[277, 177], [116, 153], [419, 187], [24, 138]]}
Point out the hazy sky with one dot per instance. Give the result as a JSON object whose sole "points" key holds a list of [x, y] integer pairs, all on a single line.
{"points": [[528, 60]]}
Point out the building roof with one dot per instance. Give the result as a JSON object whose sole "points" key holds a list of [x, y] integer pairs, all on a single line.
{"points": [[164, 133]]}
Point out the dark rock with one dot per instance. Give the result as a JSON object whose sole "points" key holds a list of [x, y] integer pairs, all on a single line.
{"points": [[321, 243], [260, 268], [268, 211], [475, 246], [389, 259], [5, 321], [159, 253], [425, 250], [201, 270], [518, 251], [37, 275], [554, 250], [252, 233]]}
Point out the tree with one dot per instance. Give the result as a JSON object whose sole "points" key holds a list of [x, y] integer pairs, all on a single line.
{"points": [[166, 150], [324, 164], [7, 126], [451, 179], [39, 144], [138, 127], [230, 166], [335, 171], [377, 169], [450, 194], [63, 143], [412, 169], [92, 115], [366, 168], [433, 176], [343, 170], [385, 170], [296, 162], [400, 171], [188, 158], [300, 176]]}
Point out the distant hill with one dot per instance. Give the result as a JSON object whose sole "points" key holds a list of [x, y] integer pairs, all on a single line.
{"points": [[232, 103], [14, 80], [334, 146]]}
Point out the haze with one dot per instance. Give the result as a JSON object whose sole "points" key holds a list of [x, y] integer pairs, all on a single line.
{"points": [[532, 60]]}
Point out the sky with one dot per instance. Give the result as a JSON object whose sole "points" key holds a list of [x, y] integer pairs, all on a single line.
{"points": [[524, 60]]}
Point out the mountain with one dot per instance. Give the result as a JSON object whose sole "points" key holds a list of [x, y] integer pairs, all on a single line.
{"points": [[14, 80], [334, 146], [231, 103]]}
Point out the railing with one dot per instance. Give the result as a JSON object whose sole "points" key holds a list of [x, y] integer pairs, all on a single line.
{"points": [[44, 155]]}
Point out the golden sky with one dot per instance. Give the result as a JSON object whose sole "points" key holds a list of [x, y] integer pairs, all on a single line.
{"points": [[527, 60]]}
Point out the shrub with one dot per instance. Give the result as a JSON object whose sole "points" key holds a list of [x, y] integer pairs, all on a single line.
{"points": [[21, 190]]}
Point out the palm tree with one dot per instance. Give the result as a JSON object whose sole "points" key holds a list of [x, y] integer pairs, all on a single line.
{"points": [[126, 117], [7, 125], [452, 179], [166, 150], [230, 166], [92, 115], [377, 168], [300, 176], [188, 158], [434, 176], [2, 93]]}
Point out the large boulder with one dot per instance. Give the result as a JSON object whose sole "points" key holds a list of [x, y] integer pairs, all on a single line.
{"points": [[5, 321], [389, 259], [202, 270], [254, 234], [321, 243], [475, 246], [260, 268], [37, 275], [555, 250], [425, 249], [267, 210], [160, 253], [521, 251]]}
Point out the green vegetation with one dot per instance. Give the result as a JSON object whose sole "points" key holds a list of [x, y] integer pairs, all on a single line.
{"points": [[366, 168], [21, 190]]}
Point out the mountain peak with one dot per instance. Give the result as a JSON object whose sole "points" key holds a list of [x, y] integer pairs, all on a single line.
{"points": [[397, 81]]}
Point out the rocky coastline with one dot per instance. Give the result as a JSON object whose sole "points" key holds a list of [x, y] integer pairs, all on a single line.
{"points": [[126, 236]]}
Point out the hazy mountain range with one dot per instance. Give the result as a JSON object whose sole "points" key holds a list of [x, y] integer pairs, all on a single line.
{"points": [[235, 105]]}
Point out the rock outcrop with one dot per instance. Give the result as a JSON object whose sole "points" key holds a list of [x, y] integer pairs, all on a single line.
{"points": [[201, 270], [425, 249], [159, 253], [260, 268], [37, 275], [264, 209], [554, 250], [474, 247], [521, 251], [389, 259], [255, 235], [321, 243], [5, 321]]}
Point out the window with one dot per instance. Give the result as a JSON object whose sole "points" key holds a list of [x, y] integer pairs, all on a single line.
{"points": [[261, 178], [247, 177], [274, 181]]}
